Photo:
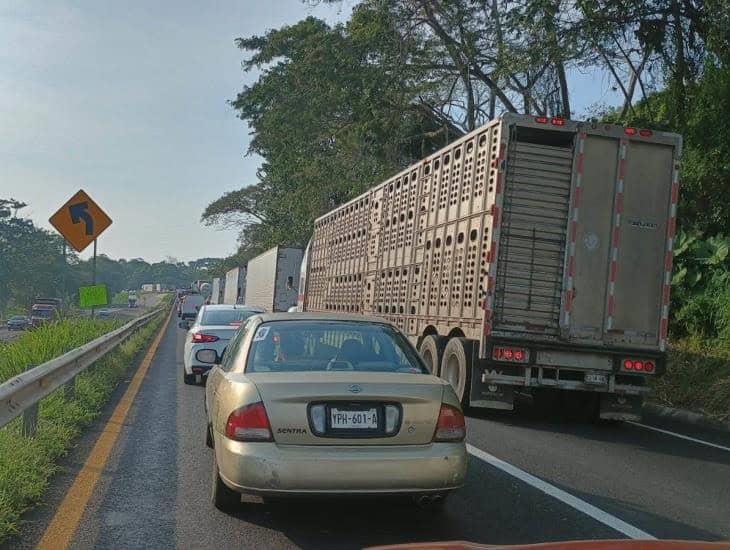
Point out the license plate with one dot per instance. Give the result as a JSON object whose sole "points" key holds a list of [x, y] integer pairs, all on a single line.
{"points": [[595, 378], [361, 419]]}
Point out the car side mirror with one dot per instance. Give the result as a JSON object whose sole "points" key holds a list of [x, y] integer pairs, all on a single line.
{"points": [[208, 357]]}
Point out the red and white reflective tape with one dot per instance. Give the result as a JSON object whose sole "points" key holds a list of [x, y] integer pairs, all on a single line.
{"points": [[617, 208], [489, 281], [671, 227], [573, 229]]}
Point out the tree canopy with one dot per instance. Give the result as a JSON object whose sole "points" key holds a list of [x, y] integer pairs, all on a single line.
{"points": [[335, 109]]}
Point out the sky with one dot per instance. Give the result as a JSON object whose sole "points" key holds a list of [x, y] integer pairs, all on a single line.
{"points": [[128, 101]]}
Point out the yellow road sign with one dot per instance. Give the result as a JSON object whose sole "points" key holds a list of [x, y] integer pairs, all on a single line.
{"points": [[80, 221]]}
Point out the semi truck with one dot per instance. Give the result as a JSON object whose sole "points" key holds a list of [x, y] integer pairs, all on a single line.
{"points": [[45, 310], [234, 291], [272, 279], [531, 257]]}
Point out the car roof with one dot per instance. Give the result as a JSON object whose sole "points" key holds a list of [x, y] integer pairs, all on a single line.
{"points": [[232, 306], [310, 316]]}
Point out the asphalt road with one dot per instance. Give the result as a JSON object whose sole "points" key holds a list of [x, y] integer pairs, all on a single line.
{"points": [[564, 480], [9, 335]]}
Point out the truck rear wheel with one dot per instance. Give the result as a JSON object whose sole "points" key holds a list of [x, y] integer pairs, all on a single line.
{"points": [[432, 350], [456, 366]]}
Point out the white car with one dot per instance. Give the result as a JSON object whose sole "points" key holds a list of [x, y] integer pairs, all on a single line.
{"points": [[214, 326]]}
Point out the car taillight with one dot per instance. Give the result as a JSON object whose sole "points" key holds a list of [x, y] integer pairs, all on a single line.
{"points": [[638, 365], [511, 355], [249, 423], [450, 425], [199, 338]]}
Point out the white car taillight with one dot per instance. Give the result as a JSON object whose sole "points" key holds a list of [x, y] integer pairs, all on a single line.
{"points": [[249, 423], [451, 425]]}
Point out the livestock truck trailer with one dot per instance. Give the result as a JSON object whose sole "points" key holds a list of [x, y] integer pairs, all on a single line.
{"points": [[531, 257]]}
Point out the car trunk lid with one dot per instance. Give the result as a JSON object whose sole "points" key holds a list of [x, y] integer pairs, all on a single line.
{"points": [[288, 398]]}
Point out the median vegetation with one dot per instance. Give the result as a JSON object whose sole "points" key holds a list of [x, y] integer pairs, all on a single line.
{"points": [[29, 462]]}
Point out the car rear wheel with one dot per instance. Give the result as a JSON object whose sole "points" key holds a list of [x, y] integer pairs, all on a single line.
{"points": [[224, 498], [432, 350], [189, 378], [456, 366]]}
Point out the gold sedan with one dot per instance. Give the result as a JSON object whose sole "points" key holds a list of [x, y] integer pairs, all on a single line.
{"points": [[329, 404]]}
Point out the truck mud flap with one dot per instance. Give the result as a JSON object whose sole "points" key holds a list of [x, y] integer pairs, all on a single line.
{"points": [[491, 396], [620, 407]]}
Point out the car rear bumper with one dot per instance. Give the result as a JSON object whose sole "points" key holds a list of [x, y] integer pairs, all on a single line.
{"points": [[269, 468]]}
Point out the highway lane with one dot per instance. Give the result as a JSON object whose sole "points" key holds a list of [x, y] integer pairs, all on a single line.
{"points": [[9, 335], [154, 492]]}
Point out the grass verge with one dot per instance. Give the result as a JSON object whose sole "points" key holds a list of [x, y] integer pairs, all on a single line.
{"points": [[29, 462], [44, 343], [697, 378]]}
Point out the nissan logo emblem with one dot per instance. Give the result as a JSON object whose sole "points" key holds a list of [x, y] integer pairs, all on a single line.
{"points": [[355, 388]]}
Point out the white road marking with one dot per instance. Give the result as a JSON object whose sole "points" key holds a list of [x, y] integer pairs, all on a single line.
{"points": [[574, 502], [680, 436]]}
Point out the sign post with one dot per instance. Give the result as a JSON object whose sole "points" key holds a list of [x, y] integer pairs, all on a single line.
{"points": [[80, 221]]}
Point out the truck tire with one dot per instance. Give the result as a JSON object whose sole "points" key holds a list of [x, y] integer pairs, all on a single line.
{"points": [[456, 366], [432, 350]]}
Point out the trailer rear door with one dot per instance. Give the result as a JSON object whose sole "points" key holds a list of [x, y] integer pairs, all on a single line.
{"points": [[618, 254]]}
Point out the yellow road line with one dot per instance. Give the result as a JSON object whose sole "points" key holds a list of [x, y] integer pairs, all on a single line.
{"points": [[68, 515]]}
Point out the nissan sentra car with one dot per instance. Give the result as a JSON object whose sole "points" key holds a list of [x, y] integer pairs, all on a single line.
{"points": [[328, 404]]}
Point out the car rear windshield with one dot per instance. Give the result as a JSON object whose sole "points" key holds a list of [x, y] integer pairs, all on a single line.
{"points": [[295, 346], [226, 316]]}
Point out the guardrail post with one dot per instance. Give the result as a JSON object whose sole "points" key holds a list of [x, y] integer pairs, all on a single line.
{"points": [[30, 420]]}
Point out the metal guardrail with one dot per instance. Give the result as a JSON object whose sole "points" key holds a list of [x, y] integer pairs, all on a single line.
{"points": [[22, 393]]}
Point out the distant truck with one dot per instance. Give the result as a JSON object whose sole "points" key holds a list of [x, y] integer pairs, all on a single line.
{"points": [[132, 299], [272, 279], [148, 287], [234, 291], [45, 310], [530, 257], [216, 294]]}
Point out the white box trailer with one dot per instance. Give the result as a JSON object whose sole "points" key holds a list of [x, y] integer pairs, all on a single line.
{"points": [[216, 294], [532, 254], [272, 279], [235, 286]]}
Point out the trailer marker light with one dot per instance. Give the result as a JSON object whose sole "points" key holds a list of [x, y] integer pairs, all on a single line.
{"points": [[629, 131], [556, 121], [541, 119], [509, 355], [628, 364], [649, 366], [638, 365], [645, 133]]}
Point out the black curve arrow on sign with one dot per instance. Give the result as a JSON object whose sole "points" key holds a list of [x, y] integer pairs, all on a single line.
{"points": [[79, 211]]}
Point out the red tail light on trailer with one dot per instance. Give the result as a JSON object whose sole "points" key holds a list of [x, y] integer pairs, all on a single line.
{"points": [[509, 354], [645, 133], [541, 119], [637, 365], [557, 121], [249, 423], [630, 131]]}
